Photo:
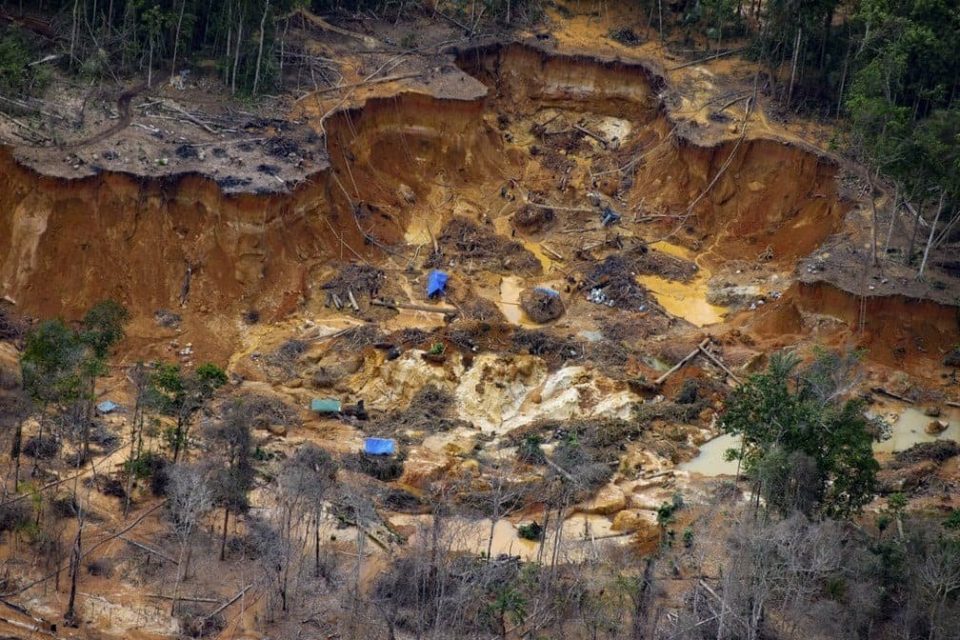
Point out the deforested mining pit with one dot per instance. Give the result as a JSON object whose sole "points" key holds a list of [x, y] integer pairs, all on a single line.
{"points": [[521, 242]]}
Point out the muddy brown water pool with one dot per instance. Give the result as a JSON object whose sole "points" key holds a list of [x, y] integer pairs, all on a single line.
{"points": [[910, 428]]}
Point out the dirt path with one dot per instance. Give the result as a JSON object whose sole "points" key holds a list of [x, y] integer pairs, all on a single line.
{"points": [[123, 107]]}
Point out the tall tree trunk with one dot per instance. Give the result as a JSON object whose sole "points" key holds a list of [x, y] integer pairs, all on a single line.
{"points": [[875, 224], [793, 66], [913, 237], [150, 62], [893, 222], [316, 547], [933, 228], [660, 12], [236, 57], [263, 27], [843, 78], [71, 615], [15, 454], [223, 539], [176, 42], [74, 29]]}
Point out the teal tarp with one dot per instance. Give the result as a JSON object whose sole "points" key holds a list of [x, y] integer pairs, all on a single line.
{"points": [[325, 405]]}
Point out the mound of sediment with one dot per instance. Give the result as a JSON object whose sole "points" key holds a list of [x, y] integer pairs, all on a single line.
{"points": [[541, 305]]}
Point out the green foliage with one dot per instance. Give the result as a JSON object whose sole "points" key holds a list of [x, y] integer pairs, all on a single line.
{"points": [[666, 512], [953, 520], [902, 98], [210, 377], [508, 602], [144, 466], [16, 76], [807, 451], [103, 326], [50, 363], [530, 531], [530, 450]]}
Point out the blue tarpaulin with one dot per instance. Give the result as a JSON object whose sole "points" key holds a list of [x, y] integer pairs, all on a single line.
{"points": [[379, 446], [325, 405], [107, 406], [547, 290], [436, 283]]}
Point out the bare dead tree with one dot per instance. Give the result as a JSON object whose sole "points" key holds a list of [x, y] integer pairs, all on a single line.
{"points": [[190, 499]]}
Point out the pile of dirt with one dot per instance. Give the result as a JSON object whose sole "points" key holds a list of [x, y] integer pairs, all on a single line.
{"points": [[284, 361], [477, 336], [952, 359], [917, 471], [612, 283], [533, 218], [476, 248], [541, 305], [12, 326]]}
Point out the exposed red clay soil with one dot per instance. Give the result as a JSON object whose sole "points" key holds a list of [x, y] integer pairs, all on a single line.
{"points": [[413, 159]]}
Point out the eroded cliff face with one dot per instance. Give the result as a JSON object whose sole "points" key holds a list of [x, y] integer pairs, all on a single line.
{"points": [[400, 167], [68, 243]]}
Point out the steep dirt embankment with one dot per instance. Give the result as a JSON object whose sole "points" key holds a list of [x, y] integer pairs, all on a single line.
{"points": [[67, 243], [898, 331], [524, 78], [772, 198], [393, 163], [397, 152]]}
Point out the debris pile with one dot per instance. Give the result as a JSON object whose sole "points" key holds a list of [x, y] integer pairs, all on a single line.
{"points": [[611, 283], [353, 283], [477, 248]]}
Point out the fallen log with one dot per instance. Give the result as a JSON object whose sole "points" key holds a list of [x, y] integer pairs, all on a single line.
{"points": [[150, 550], [354, 85], [891, 394], [715, 360], [230, 601], [553, 254], [160, 596], [687, 358], [414, 307], [596, 136], [707, 59]]}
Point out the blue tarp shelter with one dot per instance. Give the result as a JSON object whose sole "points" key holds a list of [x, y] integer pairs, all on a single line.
{"points": [[547, 290], [325, 405], [379, 446], [107, 406], [436, 283]]}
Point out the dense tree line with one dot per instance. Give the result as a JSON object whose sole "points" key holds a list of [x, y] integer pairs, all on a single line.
{"points": [[113, 38]]}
